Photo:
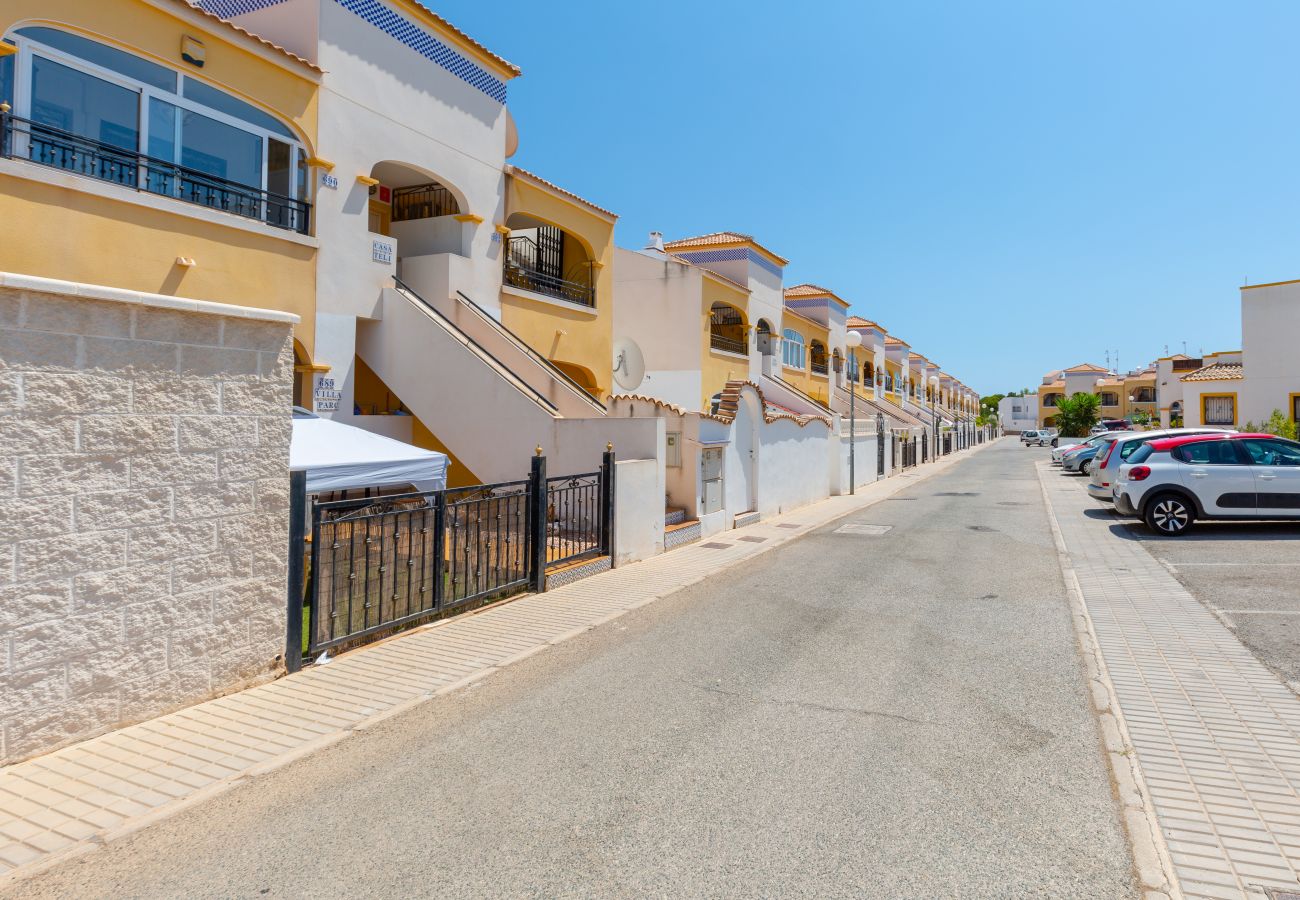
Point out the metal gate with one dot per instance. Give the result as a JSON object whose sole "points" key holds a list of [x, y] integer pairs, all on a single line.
{"points": [[880, 446], [376, 565]]}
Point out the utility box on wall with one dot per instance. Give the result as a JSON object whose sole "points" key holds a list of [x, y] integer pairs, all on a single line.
{"points": [[711, 479], [673, 449]]}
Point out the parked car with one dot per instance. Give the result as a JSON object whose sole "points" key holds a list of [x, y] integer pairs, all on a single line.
{"points": [[1042, 438], [1027, 436], [1171, 482], [1117, 448], [1081, 458], [1064, 446]]}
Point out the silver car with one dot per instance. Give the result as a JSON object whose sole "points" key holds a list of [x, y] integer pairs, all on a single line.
{"points": [[1116, 448]]}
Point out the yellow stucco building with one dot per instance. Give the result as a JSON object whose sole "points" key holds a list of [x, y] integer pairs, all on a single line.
{"points": [[153, 147]]}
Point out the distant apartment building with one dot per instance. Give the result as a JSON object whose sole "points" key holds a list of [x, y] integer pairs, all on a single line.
{"points": [[1018, 413]]}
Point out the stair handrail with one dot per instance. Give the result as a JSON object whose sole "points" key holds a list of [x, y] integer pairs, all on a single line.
{"points": [[478, 348], [811, 399], [533, 354]]}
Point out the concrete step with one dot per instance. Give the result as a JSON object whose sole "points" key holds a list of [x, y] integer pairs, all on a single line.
{"points": [[682, 533], [674, 515]]}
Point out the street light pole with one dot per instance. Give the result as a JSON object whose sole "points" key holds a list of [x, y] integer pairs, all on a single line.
{"points": [[854, 341]]}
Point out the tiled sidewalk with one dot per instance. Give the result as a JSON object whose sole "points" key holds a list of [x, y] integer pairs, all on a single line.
{"points": [[1217, 735], [71, 800]]}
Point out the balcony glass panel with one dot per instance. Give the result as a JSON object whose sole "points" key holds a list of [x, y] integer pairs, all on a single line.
{"points": [[77, 103]]}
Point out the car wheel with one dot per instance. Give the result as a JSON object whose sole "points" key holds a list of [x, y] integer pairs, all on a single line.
{"points": [[1169, 515], [1085, 467], [1053, 442]]}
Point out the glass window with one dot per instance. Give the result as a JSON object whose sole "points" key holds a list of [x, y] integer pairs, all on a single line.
{"points": [[162, 145], [223, 102], [1219, 410], [74, 106], [216, 148], [792, 348], [106, 57], [1209, 453], [7, 78], [1273, 453]]}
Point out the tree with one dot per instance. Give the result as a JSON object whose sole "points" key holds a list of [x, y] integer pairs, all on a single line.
{"points": [[1076, 414]]}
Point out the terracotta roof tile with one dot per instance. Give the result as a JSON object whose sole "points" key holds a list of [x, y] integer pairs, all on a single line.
{"points": [[859, 322], [537, 179], [1087, 367], [1216, 372], [248, 34], [721, 238]]}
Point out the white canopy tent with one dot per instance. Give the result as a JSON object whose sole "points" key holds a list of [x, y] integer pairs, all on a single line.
{"points": [[338, 457]]}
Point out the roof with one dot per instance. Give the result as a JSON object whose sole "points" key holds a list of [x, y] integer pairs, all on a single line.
{"points": [[1054, 384], [812, 290], [1216, 372], [250, 36], [722, 238], [503, 63], [1087, 367], [891, 341], [542, 182], [859, 322], [1163, 445]]}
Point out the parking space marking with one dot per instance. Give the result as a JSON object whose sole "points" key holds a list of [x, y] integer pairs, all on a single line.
{"points": [[1243, 565], [1260, 612]]}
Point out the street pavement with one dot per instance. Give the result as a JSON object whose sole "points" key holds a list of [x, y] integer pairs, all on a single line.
{"points": [[1248, 573], [885, 715]]}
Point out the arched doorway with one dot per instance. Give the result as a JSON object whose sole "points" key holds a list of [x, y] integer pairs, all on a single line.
{"points": [[765, 339], [546, 259], [727, 329], [302, 376]]}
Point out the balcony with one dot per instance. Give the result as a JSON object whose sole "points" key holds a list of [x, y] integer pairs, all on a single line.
{"points": [[819, 368], [534, 268], [57, 149]]}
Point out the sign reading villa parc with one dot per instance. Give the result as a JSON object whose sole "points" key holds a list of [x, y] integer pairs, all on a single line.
{"points": [[326, 394]]}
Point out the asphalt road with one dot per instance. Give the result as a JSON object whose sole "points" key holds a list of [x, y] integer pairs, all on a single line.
{"points": [[1248, 573], [897, 715]]}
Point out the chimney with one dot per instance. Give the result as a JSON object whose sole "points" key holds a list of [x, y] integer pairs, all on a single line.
{"points": [[656, 241]]}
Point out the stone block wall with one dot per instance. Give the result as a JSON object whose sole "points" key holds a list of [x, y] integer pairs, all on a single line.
{"points": [[144, 448]]}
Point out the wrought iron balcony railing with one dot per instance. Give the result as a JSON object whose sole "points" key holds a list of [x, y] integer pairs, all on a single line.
{"points": [[523, 270], [729, 345], [58, 149], [819, 368]]}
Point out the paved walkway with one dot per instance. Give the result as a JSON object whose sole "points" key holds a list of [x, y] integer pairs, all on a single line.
{"points": [[1217, 735], [69, 801]]}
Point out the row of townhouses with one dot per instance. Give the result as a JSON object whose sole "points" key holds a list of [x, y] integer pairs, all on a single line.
{"points": [[214, 212], [1230, 388]]}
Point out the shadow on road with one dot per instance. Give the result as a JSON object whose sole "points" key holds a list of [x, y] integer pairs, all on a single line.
{"points": [[1236, 532]]}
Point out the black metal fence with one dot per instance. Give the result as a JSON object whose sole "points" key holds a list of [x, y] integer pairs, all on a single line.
{"points": [[375, 565], [24, 139], [529, 267], [947, 442], [423, 201]]}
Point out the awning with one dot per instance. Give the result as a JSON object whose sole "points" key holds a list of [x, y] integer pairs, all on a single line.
{"points": [[337, 457]]}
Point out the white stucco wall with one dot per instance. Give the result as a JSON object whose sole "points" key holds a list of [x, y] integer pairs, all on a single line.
{"points": [[793, 468], [1270, 334], [638, 510]]}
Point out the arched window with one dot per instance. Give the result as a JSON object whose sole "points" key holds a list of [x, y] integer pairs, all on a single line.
{"points": [[817, 356], [727, 329], [102, 112], [793, 351]]}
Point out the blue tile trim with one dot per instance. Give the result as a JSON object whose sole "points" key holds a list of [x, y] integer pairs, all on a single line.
{"points": [[228, 9], [425, 44], [708, 256], [807, 303]]}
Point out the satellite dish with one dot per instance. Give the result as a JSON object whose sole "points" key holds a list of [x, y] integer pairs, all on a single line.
{"points": [[629, 364]]}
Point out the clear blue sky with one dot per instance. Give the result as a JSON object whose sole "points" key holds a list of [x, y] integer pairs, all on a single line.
{"points": [[1011, 187]]}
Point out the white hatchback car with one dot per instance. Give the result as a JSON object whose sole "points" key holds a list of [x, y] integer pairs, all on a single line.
{"points": [[1117, 448], [1171, 482]]}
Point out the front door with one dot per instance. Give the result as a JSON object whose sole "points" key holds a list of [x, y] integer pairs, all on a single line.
{"points": [[1219, 475], [1276, 465]]}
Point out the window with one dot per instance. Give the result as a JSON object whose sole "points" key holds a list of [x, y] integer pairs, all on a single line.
{"points": [[793, 350], [1144, 395], [1208, 453], [1109, 398], [817, 355], [1219, 410], [99, 111], [1050, 399], [1272, 453]]}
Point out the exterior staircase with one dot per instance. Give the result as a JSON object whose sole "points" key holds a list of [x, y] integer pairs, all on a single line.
{"points": [[679, 530]]}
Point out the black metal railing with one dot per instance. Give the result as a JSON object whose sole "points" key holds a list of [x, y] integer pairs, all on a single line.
{"points": [[58, 149], [947, 442], [522, 269], [380, 564], [818, 368], [573, 518], [730, 345], [423, 201]]}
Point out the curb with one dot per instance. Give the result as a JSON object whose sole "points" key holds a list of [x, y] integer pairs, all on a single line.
{"points": [[1152, 865]]}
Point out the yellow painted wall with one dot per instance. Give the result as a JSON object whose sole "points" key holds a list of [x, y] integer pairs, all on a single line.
{"points": [[587, 340], [716, 368], [815, 386], [55, 232]]}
